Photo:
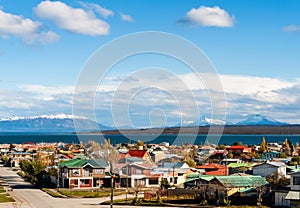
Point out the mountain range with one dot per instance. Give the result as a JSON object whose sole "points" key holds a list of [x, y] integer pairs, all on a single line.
{"points": [[49, 123], [65, 123]]}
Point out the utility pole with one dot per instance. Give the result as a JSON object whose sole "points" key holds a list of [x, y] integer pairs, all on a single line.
{"points": [[111, 186], [126, 179], [56, 157]]}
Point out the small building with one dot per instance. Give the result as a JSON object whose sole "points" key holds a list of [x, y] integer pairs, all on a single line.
{"points": [[269, 155], [294, 194], [213, 169], [239, 149], [217, 187], [140, 154], [275, 169], [238, 167]]}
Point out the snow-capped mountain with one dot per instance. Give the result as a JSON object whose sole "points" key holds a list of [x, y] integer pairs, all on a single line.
{"points": [[49, 123], [204, 121], [258, 119]]}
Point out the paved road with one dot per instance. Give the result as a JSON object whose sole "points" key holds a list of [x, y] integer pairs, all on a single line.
{"points": [[28, 197]]}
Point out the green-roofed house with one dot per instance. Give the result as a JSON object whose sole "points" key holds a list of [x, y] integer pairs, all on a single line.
{"points": [[217, 187], [238, 167], [84, 173]]}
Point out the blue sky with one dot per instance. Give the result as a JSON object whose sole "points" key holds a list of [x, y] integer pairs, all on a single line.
{"points": [[254, 46]]}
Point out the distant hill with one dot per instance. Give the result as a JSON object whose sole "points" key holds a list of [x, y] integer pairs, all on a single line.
{"points": [[49, 123], [257, 119]]}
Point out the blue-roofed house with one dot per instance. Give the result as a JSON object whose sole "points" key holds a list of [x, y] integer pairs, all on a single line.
{"points": [[270, 155]]}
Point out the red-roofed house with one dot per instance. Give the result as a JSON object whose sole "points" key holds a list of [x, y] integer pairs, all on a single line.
{"points": [[214, 169], [239, 149], [143, 154]]}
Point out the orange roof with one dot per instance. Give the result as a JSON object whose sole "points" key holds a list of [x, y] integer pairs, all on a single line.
{"points": [[237, 147], [216, 172], [137, 153], [210, 166], [70, 156]]}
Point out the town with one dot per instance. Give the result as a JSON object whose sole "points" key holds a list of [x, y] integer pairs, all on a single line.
{"points": [[266, 174]]}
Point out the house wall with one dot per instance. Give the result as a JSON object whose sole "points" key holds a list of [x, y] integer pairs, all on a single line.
{"points": [[280, 200], [264, 170], [293, 186]]}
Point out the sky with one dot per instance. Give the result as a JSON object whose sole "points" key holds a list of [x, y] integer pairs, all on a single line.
{"points": [[254, 47]]}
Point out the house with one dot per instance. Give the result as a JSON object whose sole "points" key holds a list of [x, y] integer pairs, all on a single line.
{"points": [[294, 194], [238, 167], [18, 156], [180, 170], [137, 175], [206, 150], [140, 154], [217, 187], [213, 169], [157, 155], [84, 173], [275, 169], [227, 161], [269, 155], [239, 149]]}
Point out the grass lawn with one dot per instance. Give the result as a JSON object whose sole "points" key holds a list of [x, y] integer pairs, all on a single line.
{"points": [[5, 198], [90, 194], [2, 189]]}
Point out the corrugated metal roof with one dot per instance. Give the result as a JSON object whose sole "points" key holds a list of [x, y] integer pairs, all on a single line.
{"points": [[241, 181], [293, 195]]}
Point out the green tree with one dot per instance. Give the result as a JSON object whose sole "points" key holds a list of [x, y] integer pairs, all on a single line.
{"points": [[191, 163], [164, 183], [282, 155], [34, 170], [295, 160]]}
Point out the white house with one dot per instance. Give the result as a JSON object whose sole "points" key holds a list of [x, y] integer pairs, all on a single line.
{"points": [[270, 169], [294, 193]]}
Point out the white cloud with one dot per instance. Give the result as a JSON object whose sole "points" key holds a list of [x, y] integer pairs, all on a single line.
{"points": [[126, 17], [99, 9], [71, 19], [209, 17], [291, 28], [26, 29]]}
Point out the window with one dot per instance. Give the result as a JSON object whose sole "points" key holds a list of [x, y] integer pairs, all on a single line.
{"points": [[138, 171], [98, 171], [75, 172], [296, 180]]}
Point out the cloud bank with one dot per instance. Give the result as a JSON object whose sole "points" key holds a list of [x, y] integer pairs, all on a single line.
{"points": [[279, 99]]}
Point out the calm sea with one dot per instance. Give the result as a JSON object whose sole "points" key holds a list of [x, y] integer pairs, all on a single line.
{"points": [[172, 139]]}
